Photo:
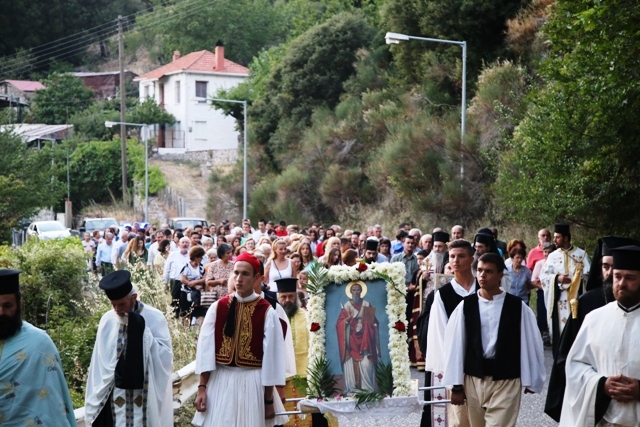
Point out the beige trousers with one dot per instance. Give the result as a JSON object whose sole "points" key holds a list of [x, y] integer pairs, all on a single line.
{"points": [[492, 403], [457, 416]]}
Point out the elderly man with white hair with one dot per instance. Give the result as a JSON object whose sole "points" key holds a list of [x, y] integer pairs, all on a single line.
{"points": [[129, 381]]}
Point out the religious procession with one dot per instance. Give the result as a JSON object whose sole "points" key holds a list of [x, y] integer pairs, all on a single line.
{"points": [[303, 326]]}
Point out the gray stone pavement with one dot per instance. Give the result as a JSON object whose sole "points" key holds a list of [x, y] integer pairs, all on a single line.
{"points": [[531, 408]]}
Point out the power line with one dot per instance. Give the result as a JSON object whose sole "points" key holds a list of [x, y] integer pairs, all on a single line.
{"points": [[69, 50]]}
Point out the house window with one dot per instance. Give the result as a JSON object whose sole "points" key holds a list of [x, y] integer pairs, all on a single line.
{"points": [[178, 92], [201, 131], [201, 89]]}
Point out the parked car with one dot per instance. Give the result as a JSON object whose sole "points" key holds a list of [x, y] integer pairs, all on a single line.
{"points": [[46, 230], [90, 224], [182, 223]]}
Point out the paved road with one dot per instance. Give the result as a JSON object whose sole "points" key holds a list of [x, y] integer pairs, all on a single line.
{"points": [[531, 408]]}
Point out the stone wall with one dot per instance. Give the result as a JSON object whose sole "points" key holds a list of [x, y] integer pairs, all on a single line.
{"points": [[208, 157]]}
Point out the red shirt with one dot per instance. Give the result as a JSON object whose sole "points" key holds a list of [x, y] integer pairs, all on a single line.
{"points": [[281, 233], [536, 254]]}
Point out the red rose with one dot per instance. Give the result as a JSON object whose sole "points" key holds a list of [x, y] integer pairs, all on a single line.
{"points": [[315, 327], [362, 267], [400, 326]]}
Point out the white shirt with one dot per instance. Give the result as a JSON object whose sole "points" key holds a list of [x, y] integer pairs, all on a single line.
{"points": [[153, 251], [490, 311], [438, 319], [257, 235], [173, 266]]}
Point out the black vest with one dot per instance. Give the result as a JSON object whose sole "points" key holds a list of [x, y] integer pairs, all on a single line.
{"points": [[449, 298], [506, 364]]}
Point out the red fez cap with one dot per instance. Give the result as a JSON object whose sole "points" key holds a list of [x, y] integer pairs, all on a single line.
{"points": [[251, 259]]}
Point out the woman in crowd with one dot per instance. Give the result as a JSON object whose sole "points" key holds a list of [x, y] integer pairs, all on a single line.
{"points": [[296, 261], [278, 266], [207, 245], [220, 270], [306, 254], [136, 251], [212, 256], [239, 250], [313, 240], [520, 275], [514, 244], [177, 235], [164, 248], [250, 244], [322, 248], [192, 279], [331, 243], [385, 248], [236, 242], [333, 257], [349, 257]]}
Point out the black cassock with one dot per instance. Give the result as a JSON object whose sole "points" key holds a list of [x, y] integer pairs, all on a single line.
{"points": [[587, 302]]}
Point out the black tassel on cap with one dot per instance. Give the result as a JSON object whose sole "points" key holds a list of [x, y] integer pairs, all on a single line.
{"points": [[230, 327]]}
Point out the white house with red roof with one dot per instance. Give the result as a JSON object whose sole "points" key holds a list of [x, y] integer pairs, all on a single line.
{"points": [[181, 88]]}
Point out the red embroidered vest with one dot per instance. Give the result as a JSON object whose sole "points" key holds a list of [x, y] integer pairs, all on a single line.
{"points": [[245, 347]]}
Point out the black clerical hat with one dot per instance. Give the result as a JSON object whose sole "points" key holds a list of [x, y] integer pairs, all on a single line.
{"points": [[562, 228], [485, 239], [371, 244], [9, 281], [609, 243], [626, 258], [287, 285], [116, 285], [440, 236]]}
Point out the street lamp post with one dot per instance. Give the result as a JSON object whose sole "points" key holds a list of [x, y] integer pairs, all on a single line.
{"points": [[396, 38], [246, 119], [146, 164]]}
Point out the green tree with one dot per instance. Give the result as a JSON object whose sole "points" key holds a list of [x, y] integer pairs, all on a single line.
{"points": [[62, 97], [245, 27], [25, 181], [310, 75], [575, 155], [481, 23]]}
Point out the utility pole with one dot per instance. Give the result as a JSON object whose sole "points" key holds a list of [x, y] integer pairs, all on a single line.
{"points": [[123, 127]]}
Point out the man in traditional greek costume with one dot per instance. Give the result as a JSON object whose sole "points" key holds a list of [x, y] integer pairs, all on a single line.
{"points": [[240, 357], [603, 368], [33, 390], [130, 373], [562, 280], [438, 308], [493, 350]]}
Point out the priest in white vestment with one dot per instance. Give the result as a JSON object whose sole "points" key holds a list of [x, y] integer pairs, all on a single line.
{"points": [[603, 366], [237, 377], [129, 376], [562, 278]]}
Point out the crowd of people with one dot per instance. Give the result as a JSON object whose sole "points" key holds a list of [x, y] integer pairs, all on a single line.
{"points": [[472, 325]]}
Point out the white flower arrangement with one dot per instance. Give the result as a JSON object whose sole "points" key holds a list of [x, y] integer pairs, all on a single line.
{"points": [[393, 274]]}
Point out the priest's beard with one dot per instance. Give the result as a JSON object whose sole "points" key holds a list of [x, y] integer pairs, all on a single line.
{"points": [[290, 308], [9, 325], [607, 283], [356, 299], [438, 259]]}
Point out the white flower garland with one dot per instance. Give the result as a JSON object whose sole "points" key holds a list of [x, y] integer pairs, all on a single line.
{"points": [[396, 309]]}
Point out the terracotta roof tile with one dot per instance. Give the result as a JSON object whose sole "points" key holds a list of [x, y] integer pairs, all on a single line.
{"points": [[195, 61]]}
